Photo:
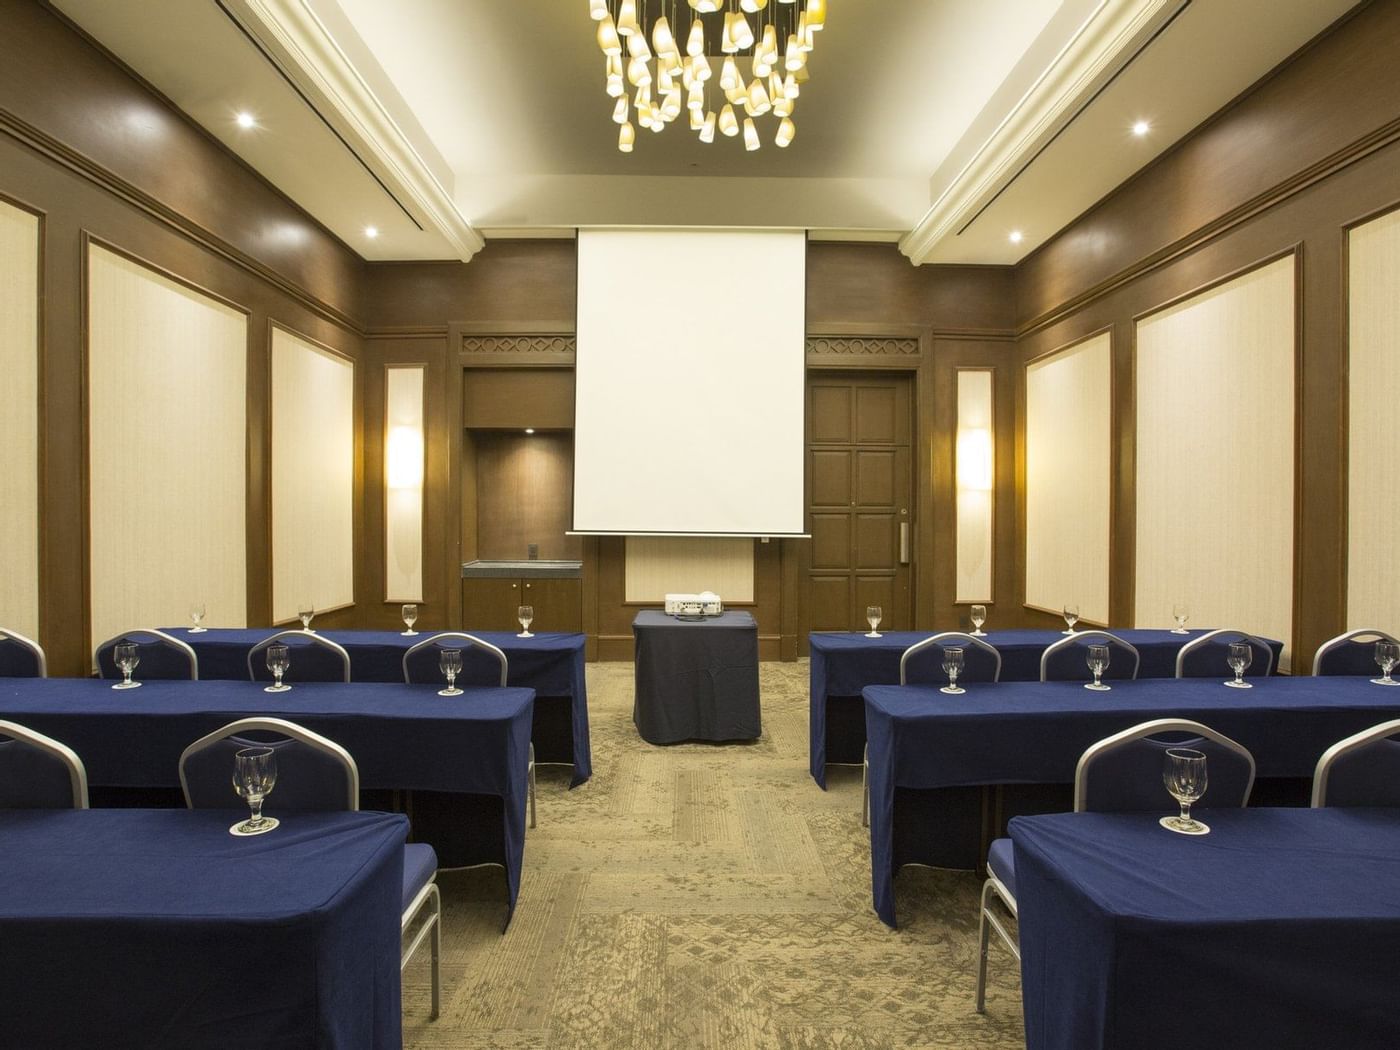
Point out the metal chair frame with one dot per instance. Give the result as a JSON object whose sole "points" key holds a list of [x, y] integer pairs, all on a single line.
{"points": [[1345, 638], [1215, 636], [1340, 749], [161, 638], [77, 772], [310, 636], [1081, 637], [35, 649]]}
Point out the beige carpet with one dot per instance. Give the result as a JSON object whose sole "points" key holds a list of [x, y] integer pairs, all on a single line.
{"points": [[702, 896]]}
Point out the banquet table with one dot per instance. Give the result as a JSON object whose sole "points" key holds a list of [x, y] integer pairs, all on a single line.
{"points": [[550, 664], [696, 679], [1034, 732], [402, 737], [153, 929], [843, 664], [1276, 931]]}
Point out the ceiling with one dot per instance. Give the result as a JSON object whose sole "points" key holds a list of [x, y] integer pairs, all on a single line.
{"points": [[943, 124]]}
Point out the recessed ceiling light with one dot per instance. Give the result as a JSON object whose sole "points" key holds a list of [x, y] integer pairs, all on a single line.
{"points": [[1015, 236], [529, 430], [371, 232], [246, 119], [1141, 128]]}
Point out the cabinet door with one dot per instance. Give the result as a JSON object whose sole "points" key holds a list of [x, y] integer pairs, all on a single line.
{"points": [[558, 604], [489, 605]]}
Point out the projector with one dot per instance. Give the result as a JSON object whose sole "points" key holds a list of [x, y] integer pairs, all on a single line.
{"points": [[706, 603]]}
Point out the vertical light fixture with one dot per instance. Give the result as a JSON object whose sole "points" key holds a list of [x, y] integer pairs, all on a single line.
{"points": [[403, 483], [975, 471]]}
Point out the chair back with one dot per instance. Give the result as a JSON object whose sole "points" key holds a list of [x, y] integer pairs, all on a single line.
{"points": [[1205, 657], [922, 662], [37, 772], [163, 657], [21, 657], [311, 658], [1362, 770], [313, 773], [1123, 773], [1064, 661], [1350, 653], [482, 663]]}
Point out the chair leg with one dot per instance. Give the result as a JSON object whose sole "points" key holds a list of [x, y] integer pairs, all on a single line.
{"points": [[984, 935], [865, 788], [436, 947], [532, 785]]}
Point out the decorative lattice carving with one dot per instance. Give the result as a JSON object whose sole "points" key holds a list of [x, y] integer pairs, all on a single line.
{"points": [[864, 347], [518, 344]]}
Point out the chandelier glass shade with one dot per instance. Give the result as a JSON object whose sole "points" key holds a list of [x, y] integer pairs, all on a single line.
{"points": [[664, 53]]}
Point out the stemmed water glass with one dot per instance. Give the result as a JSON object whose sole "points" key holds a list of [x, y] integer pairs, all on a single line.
{"points": [[525, 614], [873, 615], [952, 667], [1387, 656], [254, 776], [1071, 615], [1179, 613], [979, 617], [279, 658], [197, 616], [126, 656], [1097, 659], [1184, 774], [304, 613], [410, 617], [450, 662], [1241, 656]]}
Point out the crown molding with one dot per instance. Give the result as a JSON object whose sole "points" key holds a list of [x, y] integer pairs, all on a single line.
{"points": [[1098, 51], [293, 36]]}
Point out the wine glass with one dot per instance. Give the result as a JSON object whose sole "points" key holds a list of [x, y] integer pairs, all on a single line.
{"points": [[873, 615], [1184, 774], [126, 656], [525, 614], [450, 662], [304, 613], [979, 617], [1387, 655], [1241, 656], [952, 667], [197, 616], [254, 776], [1071, 615], [1097, 659], [410, 617], [279, 658], [1179, 613]]}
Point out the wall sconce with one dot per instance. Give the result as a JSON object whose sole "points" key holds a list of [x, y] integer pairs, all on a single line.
{"points": [[975, 459], [403, 483], [975, 467], [403, 458]]}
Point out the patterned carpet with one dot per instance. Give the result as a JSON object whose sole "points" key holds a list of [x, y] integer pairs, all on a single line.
{"points": [[701, 896]]}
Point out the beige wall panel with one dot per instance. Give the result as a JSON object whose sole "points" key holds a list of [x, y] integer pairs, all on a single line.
{"points": [[1215, 438], [403, 475], [167, 406], [976, 470], [19, 422], [661, 565], [313, 477], [1373, 502], [1069, 456]]}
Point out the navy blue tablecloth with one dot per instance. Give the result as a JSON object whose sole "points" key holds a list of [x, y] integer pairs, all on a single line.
{"points": [[844, 664], [401, 736], [1034, 733], [158, 930], [696, 679], [550, 664], [1277, 931]]}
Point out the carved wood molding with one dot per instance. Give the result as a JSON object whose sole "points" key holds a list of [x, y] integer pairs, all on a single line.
{"points": [[518, 344], [852, 346]]}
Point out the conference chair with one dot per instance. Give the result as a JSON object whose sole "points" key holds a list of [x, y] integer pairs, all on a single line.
{"points": [[922, 663], [38, 772], [163, 657], [314, 774], [1362, 770], [1205, 656], [312, 658], [483, 664], [1120, 774], [21, 657], [1064, 661], [1351, 653]]}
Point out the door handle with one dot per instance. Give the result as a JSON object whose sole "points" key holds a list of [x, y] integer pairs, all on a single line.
{"points": [[904, 543]]}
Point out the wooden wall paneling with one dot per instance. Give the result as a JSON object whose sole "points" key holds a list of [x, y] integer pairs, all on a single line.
{"points": [[507, 283], [661, 565], [514, 398], [524, 485]]}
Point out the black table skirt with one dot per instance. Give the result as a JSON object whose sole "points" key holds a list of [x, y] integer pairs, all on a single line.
{"points": [[696, 680]]}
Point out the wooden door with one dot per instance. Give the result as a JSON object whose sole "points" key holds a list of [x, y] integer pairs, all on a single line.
{"points": [[860, 484], [490, 604]]}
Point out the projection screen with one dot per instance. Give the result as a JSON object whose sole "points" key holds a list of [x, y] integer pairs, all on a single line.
{"points": [[690, 371]]}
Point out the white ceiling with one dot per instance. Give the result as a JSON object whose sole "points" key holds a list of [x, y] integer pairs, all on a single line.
{"points": [[436, 120]]}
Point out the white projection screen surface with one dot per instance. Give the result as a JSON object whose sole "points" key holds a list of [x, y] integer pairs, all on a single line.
{"points": [[689, 403]]}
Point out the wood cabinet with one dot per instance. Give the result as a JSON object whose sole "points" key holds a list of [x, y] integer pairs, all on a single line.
{"points": [[490, 604]]}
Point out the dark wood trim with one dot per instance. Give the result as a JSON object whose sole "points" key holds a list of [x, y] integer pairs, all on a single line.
{"points": [[424, 331]]}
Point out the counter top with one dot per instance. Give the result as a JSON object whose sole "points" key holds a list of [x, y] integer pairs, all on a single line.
{"points": [[509, 570]]}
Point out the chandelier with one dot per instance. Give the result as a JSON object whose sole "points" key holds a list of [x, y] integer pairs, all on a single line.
{"points": [[762, 63]]}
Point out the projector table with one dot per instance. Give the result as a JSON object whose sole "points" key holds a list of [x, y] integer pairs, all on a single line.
{"points": [[696, 679]]}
